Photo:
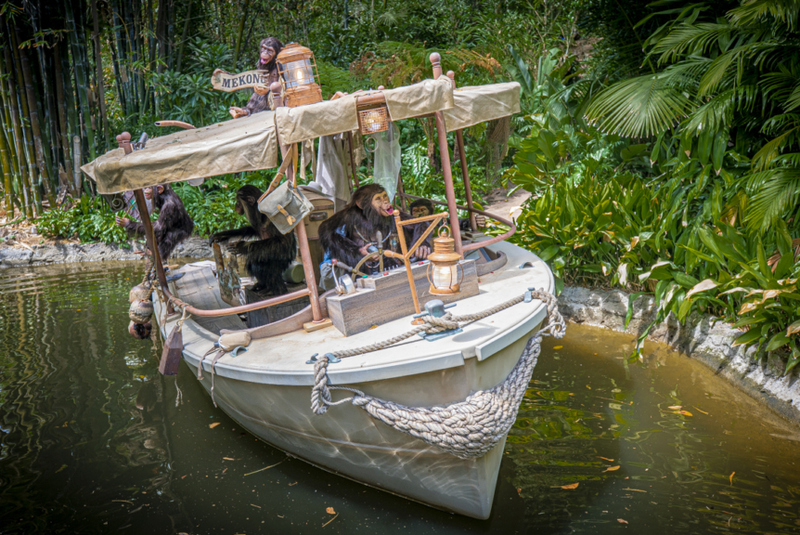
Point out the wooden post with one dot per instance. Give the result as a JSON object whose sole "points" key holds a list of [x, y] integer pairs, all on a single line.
{"points": [[352, 160], [464, 172], [444, 153], [402, 238], [302, 237], [124, 140]]}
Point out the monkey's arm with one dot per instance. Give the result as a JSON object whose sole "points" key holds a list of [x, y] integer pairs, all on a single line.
{"points": [[233, 233], [335, 243]]}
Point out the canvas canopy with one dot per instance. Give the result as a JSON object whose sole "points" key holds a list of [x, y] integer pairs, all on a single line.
{"points": [[251, 143]]}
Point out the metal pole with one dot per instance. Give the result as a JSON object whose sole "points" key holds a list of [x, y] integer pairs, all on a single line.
{"points": [[464, 172], [76, 160], [124, 140], [444, 153], [300, 229]]}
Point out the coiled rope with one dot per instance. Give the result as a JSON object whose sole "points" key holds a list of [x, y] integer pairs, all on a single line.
{"points": [[466, 429]]}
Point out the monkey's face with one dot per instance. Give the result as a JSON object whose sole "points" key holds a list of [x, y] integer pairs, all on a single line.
{"points": [[382, 205], [420, 211], [148, 192], [267, 54]]}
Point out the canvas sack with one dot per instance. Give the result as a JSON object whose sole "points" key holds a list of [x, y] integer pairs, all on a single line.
{"points": [[285, 207]]}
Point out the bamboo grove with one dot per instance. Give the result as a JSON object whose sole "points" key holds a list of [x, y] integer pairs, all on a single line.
{"points": [[53, 75]]}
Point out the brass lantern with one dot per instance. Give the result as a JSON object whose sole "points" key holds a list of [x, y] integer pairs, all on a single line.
{"points": [[299, 78], [443, 268]]}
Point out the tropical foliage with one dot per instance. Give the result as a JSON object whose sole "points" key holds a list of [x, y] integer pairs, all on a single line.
{"points": [[699, 204]]}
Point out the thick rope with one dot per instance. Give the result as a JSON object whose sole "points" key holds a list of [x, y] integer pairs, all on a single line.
{"points": [[466, 429]]}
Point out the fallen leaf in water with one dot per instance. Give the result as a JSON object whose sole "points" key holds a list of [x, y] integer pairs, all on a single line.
{"points": [[622, 521], [731, 478], [589, 387], [229, 458], [254, 505], [184, 477], [700, 410], [570, 487], [224, 470], [519, 491], [212, 426], [611, 468], [675, 407], [293, 484], [636, 490], [330, 511], [685, 413], [558, 347], [606, 459]]}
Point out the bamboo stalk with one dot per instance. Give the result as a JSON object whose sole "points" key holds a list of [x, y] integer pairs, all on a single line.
{"points": [[36, 130], [4, 162], [240, 32], [62, 107], [16, 124], [35, 181], [80, 61], [101, 87]]}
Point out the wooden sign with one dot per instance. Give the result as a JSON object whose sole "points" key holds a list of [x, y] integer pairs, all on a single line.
{"points": [[227, 82]]}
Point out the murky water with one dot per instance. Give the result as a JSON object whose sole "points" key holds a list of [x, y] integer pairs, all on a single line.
{"points": [[91, 440]]}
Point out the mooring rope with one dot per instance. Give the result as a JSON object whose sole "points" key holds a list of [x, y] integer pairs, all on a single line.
{"points": [[466, 429]]}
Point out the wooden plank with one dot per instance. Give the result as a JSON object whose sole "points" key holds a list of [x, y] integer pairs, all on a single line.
{"points": [[386, 298]]}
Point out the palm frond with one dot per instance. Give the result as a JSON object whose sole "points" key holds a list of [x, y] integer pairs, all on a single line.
{"points": [[691, 39], [639, 107], [766, 155], [752, 11], [777, 196]]}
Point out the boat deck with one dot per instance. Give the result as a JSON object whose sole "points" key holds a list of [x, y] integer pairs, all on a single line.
{"points": [[282, 359]]}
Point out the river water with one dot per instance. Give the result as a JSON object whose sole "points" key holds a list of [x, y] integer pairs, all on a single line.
{"points": [[93, 441]]}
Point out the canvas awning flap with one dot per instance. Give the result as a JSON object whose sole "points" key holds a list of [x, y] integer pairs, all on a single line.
{"points": [[316, 120], [419, 99], [246, 144], [340, 115], [481, 103]]}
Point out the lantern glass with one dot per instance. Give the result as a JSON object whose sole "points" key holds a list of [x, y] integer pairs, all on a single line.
{"points": [[444, 277], [297, 73]]}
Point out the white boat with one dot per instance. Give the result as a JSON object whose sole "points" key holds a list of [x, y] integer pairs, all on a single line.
{"points": [[425, 418]]}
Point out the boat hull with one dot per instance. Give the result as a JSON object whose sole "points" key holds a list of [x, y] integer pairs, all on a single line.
{"points": [[349, 442]]}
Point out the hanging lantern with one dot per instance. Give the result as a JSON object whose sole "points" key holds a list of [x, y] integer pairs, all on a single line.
{"points": [[299, 78], [373, 120], [443, 268]]}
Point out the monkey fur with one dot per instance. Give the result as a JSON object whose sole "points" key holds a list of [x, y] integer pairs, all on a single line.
{"points": [[259, 103], [267, 258], [356, 225], [173, 226]]}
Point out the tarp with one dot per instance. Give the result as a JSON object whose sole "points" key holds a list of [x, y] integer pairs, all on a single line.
{"points": [[478, 104], [246, 144], [335, 116], [251, 143]]}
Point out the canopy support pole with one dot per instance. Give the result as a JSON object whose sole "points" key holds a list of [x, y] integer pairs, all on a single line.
{"points": [[300, 231], [444, 153], [124, 140], [464, 172]]}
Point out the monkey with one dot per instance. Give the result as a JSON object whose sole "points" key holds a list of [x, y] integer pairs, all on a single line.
{"points": [[424, 207], [173, 225], [270, 48], [348, 235], [267, 258]]}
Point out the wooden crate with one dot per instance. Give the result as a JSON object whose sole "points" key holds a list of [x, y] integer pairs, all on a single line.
{"points": [[386, 298]]}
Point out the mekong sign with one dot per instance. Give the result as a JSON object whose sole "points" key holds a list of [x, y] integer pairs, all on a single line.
{"points": [[224, 81]]}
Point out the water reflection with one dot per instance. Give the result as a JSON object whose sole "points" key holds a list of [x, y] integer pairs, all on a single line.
{"points": [[92, 439]]}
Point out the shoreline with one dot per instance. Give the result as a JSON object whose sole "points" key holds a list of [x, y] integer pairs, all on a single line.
{"points": [[701, 338]]}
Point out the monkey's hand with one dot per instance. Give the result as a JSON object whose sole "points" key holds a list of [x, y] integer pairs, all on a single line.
{"points": [[422, 252], [239, 248], [214, 238], [122, 222], [237, 112]]}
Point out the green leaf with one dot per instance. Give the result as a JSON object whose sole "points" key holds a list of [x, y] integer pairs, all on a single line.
{"points": [[629, 313], [747, 338], [777, 341]]}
